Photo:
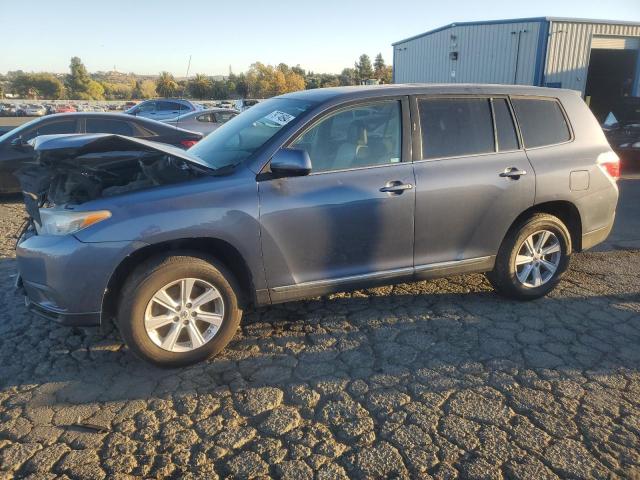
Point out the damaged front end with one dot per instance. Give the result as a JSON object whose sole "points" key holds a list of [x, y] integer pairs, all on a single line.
{"points": [[70, 170]]}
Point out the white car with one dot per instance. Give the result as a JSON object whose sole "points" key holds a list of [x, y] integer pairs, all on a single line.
{"points": [[35, 111], [204, 121]]}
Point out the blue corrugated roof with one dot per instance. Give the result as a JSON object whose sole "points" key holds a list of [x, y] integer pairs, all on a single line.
{"points": [[517, 20]]}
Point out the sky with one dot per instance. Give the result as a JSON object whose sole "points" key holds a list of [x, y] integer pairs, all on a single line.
{"points": [[147, 37]]}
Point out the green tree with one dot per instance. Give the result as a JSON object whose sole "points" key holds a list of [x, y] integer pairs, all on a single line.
{"points": [[364, 70], [200, 86], [242, 88], [147, 89], [79, 83], [265, 81], [118, 91], [42, 85], [166, 85], [379, 66], [348, 77]]}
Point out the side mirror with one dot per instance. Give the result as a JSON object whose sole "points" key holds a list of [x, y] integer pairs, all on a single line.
{"points": [[291, 162], [18, 143]]}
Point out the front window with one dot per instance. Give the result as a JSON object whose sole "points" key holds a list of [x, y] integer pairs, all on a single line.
{"points": [[244, 135], [361, 136]]}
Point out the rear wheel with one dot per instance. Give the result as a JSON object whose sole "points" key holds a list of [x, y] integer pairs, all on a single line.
{"points": [[178, 310], [532, 258]]}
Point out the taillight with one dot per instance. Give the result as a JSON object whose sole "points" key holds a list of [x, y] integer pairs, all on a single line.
{"points": [[188, 143], [610, 163]]}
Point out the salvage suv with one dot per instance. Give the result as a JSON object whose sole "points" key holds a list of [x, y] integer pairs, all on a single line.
{"points": [[307, 194]]}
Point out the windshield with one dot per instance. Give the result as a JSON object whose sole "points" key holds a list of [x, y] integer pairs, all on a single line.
{"points": [[241, 137], [19, 129]]}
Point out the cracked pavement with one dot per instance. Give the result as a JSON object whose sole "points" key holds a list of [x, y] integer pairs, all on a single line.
{"points": [[439, 379]]}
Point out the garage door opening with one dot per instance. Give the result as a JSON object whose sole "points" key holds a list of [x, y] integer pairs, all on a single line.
{"points": [[610, 76]]}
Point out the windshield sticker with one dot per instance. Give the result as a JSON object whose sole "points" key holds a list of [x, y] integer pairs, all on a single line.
{"points": [[281, 118]]}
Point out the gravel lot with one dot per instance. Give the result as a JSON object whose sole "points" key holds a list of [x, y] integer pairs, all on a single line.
{"points": [[438, 379]]}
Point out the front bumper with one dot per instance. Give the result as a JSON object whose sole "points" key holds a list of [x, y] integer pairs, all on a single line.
{"points": [[64, 279], [63, 318]]}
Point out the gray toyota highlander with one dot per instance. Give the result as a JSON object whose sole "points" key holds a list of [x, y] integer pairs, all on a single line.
{"points": [[307, 194]]}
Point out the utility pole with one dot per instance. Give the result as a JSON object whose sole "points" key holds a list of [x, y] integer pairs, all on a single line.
{"points": [[519, 33]]}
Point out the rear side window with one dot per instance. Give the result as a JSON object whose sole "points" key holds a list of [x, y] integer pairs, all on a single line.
{"points": [[454, 127], [223, 117], [163, 106], [541, 122], [103, 125], [505, 129], [207, 117]]}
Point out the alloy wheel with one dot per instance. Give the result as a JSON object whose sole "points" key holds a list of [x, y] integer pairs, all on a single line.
{"points": [[538, 258], [184, 315]]}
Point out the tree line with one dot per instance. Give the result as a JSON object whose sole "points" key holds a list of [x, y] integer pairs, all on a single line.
{"points": [[260, 81]]}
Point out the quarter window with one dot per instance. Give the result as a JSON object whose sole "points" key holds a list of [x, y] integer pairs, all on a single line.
{"points": [[541, 122], [506, 130], [453, 127], [360, 136]]}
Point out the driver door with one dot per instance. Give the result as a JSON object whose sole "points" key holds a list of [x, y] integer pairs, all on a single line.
{"points": [[350, 221]]}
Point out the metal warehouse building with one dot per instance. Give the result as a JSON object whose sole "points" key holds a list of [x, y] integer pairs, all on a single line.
{"points": [[598, 58]]}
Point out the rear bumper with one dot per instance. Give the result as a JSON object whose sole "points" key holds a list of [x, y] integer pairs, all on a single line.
{"points": [[591, 239]]}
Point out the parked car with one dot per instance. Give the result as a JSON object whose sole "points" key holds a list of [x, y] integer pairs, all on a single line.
{"points": [[35, 110], [65, 109], [163, 109], [622, 128], [7, 110], [205, 121], [15, 151], [302, 196]]}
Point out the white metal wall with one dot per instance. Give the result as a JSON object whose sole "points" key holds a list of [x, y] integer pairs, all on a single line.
{"points": [[569, 47], [486, 54]]}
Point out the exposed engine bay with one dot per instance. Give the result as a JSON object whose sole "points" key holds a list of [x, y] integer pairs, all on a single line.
{"points": [[73, 169]]}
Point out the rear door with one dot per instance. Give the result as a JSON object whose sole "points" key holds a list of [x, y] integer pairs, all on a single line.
{"points": [[351, 219], [473, 178], [167, 109]]}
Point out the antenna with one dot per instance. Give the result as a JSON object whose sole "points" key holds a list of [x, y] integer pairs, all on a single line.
{"points": [[186, 80], [188, 66]]}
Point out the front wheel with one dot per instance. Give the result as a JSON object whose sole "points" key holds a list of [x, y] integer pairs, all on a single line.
{"points": [[178, 310], [532, 258]]}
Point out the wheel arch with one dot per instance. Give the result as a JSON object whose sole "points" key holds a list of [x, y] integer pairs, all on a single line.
{"points": [[565, 210], [221, 250]]}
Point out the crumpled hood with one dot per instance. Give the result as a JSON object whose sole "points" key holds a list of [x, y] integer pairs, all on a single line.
{"points": [[54, 147], [74, 169]]}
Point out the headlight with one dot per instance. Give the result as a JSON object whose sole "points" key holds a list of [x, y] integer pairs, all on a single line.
{"points": [[636, 145], [63, 222]]}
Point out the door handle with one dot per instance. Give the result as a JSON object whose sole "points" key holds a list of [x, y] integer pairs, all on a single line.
{"points": [[396, 187], [513, 172]]}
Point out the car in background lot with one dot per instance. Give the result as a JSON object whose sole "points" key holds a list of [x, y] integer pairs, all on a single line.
{"points": [[205, 121], [622, 128], [311, 193], [7, 110], [35, 110], [163, 109], [65, 109], [15, 151]]}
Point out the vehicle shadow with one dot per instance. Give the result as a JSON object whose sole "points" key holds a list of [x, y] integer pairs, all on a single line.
{"points": [[429, 333]]}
